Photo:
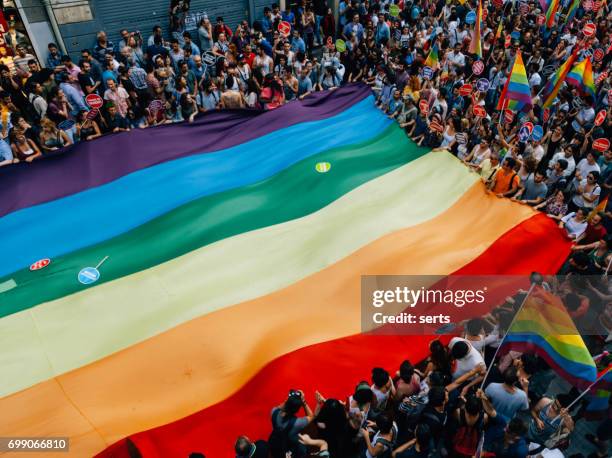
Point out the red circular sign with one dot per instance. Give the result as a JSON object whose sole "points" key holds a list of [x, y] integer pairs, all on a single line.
{"points": [[424, 106], [465, 90], [589, 29], [480, 111], [508, 116], [601, 145], [94, 101], [601, 117], [598, 54], [284, 28], [40, 264], [478, 67]]}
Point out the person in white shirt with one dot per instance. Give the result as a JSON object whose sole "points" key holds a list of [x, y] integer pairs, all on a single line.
{"points": [[535, 79], [575, 223], [586, 166], [535, 150], [585, 116], [457, 35], [568, 155], [466, 357], [455, 58], [263, 61]]}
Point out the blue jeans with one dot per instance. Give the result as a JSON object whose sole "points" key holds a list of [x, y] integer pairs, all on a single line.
{"points": [[318, 20]]}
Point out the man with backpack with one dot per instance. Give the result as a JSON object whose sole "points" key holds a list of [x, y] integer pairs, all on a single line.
{"points": [[382, 443], [286, 426], [435, 415]]}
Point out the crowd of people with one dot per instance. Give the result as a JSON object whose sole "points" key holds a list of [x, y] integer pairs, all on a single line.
{"points": [[157, 79], [430, 408], [449, 405]]}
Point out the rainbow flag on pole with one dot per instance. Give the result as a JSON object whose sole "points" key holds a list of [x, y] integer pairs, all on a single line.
{"points": [[500, 28], [543, 326], [553, 85], [433, 60], [223, 265], [581, 76], [476, 42], [516, 94], [551, 13], [599, 407]]}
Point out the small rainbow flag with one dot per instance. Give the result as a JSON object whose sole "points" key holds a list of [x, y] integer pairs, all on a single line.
{"points": [[543, 326], [516, 94], [601, 207], [598, 407], [554, 84], [581, 76], [551, 13], [476, 43], [500, 28], [432, 59]]}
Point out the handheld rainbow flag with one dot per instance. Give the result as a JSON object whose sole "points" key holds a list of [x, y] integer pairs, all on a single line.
{"points": [[500, 28], [543, 326], [476, 43], [433, 60], [553, 85], [601, 207], [599, 400], [598, 407], [571, 12], [551, 13], [581, 76], [516, 94]]}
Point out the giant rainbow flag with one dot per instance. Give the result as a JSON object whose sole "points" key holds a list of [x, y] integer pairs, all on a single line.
{"points": [[229, 270]]}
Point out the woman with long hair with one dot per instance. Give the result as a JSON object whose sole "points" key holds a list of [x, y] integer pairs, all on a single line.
{"points": [[272, 94], [24, 149], [52, 138], [439, 359], [86, 129]]}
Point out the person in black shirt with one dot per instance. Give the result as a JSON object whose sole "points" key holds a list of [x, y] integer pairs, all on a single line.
{"points": [[116, 122], [435, 415], [86, 80], [245, 448], [156, 49]]}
